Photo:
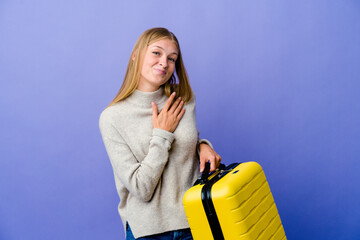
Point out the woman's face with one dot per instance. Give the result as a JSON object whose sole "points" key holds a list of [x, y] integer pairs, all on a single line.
{"points": [[158, 65]]}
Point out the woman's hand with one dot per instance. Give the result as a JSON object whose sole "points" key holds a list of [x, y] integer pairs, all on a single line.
{"points": [[207, 154], [169, 117]]}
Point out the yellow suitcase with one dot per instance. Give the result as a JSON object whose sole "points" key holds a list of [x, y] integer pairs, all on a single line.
{"points": [[233, 203]]}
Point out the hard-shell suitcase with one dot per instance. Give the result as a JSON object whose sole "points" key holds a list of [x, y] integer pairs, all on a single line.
{"points": [[233, 203]]}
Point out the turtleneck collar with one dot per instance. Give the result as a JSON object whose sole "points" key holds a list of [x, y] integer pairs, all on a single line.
{"points": [[145, 98]]}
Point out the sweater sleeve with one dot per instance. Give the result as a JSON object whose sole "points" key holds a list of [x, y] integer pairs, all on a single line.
{"points": [[202, 141], [140, 177]]}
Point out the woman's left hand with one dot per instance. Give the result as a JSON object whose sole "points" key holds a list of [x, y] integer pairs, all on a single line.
{"points": [[207, 154]]}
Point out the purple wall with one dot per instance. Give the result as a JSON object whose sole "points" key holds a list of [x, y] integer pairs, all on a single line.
{"points": [[277, 82]]}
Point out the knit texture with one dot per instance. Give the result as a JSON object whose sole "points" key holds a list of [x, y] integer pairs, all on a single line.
{"points": [[152, 167]]}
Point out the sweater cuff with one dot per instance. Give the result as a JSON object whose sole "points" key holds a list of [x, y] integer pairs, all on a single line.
{"points": [[205, 141], [163, 134]]}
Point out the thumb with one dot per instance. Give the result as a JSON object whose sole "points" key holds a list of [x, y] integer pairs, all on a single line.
{"points": [[155, 111], [202, 165]]}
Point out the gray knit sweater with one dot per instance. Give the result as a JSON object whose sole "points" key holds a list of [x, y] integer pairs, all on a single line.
{"points": [[152, 167]]}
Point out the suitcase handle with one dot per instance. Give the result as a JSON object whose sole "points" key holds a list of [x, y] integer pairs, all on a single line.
{"points": [[205, 174]]}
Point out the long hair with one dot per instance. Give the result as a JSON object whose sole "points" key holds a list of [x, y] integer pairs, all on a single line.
{"points": [[132, 76]]}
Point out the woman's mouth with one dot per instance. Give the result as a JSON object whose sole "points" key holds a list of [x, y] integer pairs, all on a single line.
{"points": [[162, 72]]}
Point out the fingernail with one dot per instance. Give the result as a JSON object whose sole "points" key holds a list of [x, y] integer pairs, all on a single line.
{"points": [[174, 93]]}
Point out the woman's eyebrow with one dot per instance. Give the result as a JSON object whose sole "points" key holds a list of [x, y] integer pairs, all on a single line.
{"points": [[164, 50]]}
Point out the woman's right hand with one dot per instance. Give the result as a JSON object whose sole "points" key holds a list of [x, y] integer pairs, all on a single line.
{"points": [[169, 117]]}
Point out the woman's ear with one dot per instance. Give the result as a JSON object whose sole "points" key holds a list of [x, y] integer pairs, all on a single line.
{"points": [[134, 55]]}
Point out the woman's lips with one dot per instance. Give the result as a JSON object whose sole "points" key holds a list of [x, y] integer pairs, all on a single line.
{"points": [[162, 72]]}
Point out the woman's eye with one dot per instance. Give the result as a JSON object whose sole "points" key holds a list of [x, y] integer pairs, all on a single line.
{"points": [[156, 53], [172, 60]]}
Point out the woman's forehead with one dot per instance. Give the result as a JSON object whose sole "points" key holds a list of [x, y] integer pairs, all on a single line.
{"points": [[165, 44]]}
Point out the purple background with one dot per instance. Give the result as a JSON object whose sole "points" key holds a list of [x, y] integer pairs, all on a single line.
{"points": [[277, 82]]}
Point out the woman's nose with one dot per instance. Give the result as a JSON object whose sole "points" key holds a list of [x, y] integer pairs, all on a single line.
{"points": [[163, 62]]}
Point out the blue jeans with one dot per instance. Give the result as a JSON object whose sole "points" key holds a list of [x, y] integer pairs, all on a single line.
{"points": [[183, 234]]}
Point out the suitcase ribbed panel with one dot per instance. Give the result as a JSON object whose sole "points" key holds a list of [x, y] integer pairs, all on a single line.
{"points": [[272, 228], [248, 212], [279, 234]]}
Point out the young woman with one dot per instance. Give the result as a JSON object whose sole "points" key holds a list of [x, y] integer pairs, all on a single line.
{"points": [[150, 134]]}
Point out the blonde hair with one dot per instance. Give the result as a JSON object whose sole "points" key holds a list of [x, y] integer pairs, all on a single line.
{"points": [[132, 76]]}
